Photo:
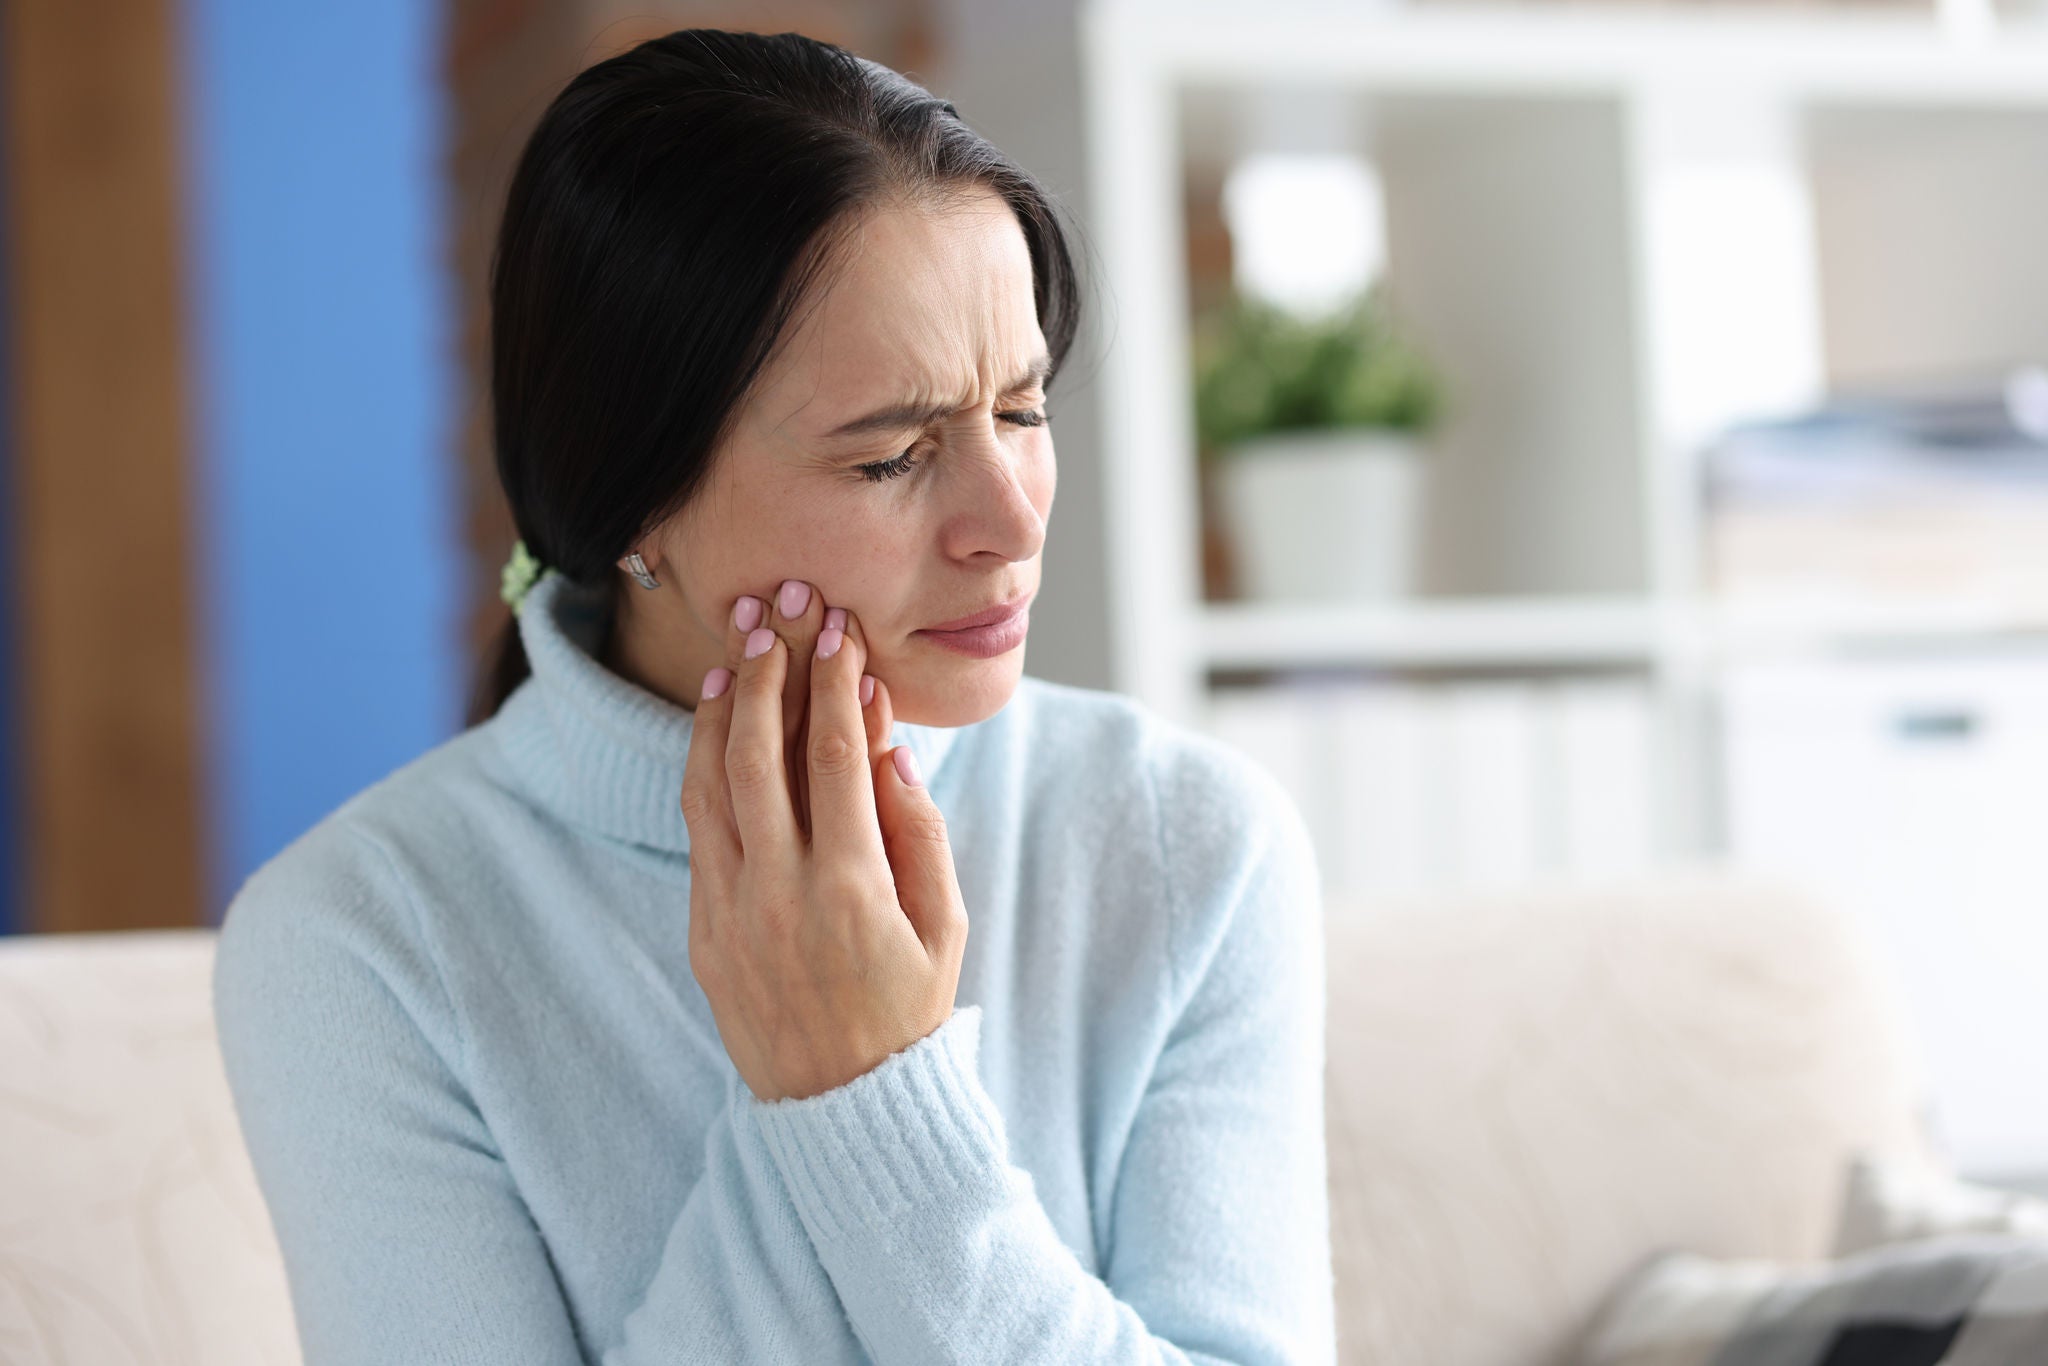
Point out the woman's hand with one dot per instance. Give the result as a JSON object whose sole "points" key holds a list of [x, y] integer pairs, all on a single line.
{"points": [[823, 946], [799, 630]]}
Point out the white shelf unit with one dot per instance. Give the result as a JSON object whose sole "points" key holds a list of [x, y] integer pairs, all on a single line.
{"points": [[1613, 232]]}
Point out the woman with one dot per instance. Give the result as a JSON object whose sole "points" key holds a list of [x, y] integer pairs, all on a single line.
{"points": [[675, 1011]]}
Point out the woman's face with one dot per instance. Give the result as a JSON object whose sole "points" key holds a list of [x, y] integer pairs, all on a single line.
{"points": [[887, 456]]}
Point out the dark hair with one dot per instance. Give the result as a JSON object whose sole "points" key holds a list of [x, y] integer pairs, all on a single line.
{"points": [[670, 210]]}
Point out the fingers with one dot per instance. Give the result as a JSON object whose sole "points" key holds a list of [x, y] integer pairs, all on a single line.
{"points": [[920, 854], [881, 720], [843, 819], [727, 802], [756, 767], [707, 803], [798, 615]]}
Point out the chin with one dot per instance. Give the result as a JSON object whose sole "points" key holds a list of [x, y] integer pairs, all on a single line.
{"points": [[957, 691]]}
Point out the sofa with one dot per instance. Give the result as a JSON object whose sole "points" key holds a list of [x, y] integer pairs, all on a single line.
{"points": [[1529, 1091]]}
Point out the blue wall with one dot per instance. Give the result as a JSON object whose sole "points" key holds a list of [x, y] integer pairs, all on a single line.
{"points": [[325, 470]]}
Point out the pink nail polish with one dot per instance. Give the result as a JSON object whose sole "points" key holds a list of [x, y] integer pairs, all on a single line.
{"points": [[796, 596], [715, 682], [759, 641], [746, 613], [906, 765], [829, 641], [867, 689], [835, 619]]}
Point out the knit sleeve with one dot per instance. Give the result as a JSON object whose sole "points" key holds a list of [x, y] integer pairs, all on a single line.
{"points": [[404, 1235], [938, 1244]]}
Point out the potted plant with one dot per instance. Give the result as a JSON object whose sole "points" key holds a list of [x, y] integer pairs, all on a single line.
{"points": [[1315, 428]]}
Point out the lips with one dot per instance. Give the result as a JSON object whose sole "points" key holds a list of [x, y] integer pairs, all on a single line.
{"points": [[988, 616]]}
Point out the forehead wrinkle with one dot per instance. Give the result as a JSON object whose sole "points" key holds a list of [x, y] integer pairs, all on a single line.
{"points": [[932, 317], [980, 366]]}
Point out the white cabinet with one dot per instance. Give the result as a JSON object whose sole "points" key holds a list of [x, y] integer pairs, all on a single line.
{"points": [[1916, 793], [1410, 788]]}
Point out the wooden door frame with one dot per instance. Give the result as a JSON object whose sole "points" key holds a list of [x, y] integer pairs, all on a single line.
{"points": [[111, 746]]}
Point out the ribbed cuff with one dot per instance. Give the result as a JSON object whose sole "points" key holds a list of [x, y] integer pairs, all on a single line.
{"points": [[895, 1146]]}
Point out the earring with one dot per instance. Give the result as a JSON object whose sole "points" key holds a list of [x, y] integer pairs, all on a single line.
{"points": [[638, 567]]}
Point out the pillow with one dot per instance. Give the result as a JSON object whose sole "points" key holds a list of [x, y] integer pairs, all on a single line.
{"points": [[1965, 1299], [1890, 1202]]}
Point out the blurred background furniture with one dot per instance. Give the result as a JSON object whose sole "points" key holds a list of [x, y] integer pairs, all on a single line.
{"points": [[1528, 1091], [1615, 232]]}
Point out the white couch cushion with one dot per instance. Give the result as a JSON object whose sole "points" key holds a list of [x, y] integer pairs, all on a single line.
{"points": [[131, 1226], [1531, 1090]]}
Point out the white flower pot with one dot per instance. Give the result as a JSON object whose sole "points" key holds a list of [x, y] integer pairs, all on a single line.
{"points": [[1329, 515]]}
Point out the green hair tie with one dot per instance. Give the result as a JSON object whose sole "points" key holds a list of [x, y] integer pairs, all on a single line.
{"points": [[519, 575]]}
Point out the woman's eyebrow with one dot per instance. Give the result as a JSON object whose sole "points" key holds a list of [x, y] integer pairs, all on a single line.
{"points": [[897, 417]]}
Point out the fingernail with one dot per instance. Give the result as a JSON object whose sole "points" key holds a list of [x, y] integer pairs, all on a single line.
{"points": [[796, 595], [746, 613], [759, 641], [835, 619], [715, 682], [906, 765], [828, 641], [867, 689]]}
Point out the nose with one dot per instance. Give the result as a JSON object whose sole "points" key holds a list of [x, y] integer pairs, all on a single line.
{"points": [[1005, 497]]}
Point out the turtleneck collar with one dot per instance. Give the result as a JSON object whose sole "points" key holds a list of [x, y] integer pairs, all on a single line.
{"points": [[602, 751]]}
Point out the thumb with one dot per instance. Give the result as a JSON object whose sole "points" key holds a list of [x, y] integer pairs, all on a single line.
{"points": [[920, 854]]}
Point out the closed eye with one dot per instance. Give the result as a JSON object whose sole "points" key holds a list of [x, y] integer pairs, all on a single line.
{"points": [[897, 466]]}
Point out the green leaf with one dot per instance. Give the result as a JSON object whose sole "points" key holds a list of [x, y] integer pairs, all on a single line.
{"points": [[1260, 368]]}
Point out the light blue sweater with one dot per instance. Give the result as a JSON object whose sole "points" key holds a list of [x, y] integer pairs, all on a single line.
{"points": [[493, 1121]]}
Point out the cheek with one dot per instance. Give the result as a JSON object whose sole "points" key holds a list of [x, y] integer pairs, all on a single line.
{"points": [[862, 552], [775, 538]]}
